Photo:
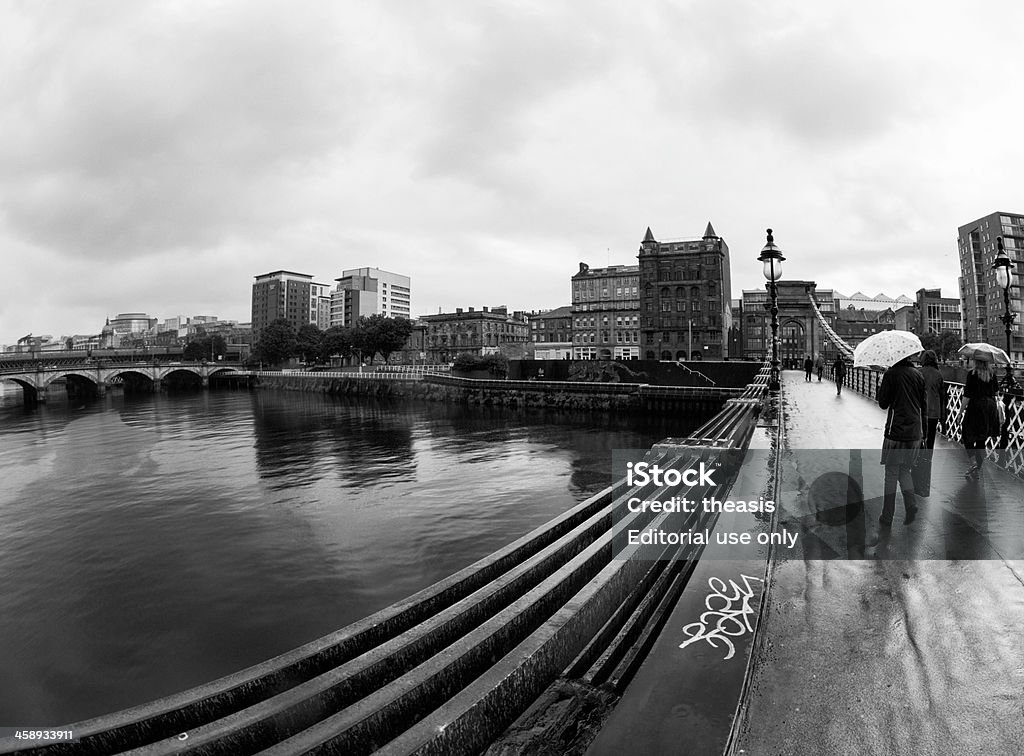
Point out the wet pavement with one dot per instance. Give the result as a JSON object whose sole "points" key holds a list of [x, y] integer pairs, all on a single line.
{"points": [[866, 640], [907, 640]]}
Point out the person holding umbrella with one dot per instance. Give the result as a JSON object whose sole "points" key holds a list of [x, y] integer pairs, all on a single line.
{"points": [[981, 416], [901, 392]]}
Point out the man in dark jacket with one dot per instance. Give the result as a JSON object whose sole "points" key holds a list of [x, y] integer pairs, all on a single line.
{"points": [[808, 367], [902, 393]]}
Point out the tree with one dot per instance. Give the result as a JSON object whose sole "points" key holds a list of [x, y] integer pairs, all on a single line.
{"points": [[950, 342], [309, 342], [205, 348], [932, 341], [336, 342], [277, 342], [384, 335]]}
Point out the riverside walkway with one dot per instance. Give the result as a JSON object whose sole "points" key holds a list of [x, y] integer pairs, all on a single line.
{"points": [[916, 649]]}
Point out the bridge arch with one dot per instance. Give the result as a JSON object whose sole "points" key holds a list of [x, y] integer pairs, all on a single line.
{"points": [[72, 374], [29, 392]]}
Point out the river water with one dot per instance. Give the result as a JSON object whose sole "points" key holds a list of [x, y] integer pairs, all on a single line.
{"points": [[149, 544]]}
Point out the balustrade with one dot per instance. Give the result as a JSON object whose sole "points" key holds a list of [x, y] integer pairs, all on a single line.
{"points": [[866, 381]]}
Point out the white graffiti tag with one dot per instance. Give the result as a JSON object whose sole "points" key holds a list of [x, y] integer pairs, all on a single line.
{"points": [[732, 610]]}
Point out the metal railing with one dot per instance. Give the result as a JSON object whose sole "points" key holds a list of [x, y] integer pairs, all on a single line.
{"points": [[866, 381]]}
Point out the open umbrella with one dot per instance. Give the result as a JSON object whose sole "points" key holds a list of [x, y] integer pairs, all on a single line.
{"points": [[886, 348], [981, 349]]}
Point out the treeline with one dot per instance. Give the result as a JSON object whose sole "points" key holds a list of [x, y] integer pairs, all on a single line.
{"points": [[372, 336]]}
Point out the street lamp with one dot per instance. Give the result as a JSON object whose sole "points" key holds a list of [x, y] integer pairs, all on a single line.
{"points": [[1003, 267], [771, 258]]}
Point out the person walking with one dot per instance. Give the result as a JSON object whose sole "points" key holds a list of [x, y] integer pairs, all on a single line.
{"points": [[839, 369], [934, 396], [980, 417], [819, 366], [808, 367], [901, 392]]}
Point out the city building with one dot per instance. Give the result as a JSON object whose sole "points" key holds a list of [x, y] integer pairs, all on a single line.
{"points": [[551, 333], [879, 302], [981, 297], [126, 327], [281, 295], [855, 325], [478, 332], [362, 292], [800, 332], [606, 313], [320, 305], [933, 313], [685, 304]]}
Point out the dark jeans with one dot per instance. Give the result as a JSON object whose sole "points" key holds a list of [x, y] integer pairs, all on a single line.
{"points": [[902, 475], [930, 427], [839, 385], [807, 374]]}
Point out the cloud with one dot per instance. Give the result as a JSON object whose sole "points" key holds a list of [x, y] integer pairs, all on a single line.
{"points": [[141, 129]]}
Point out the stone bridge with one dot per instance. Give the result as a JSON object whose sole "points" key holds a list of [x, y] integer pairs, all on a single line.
{"points": [[38, 378]]}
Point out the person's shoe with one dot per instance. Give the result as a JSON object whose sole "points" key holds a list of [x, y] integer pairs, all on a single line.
{"points": [[972, 474], [911, 515]]}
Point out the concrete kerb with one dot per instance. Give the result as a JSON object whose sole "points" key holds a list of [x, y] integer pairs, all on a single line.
{"points": [[758, 639]]}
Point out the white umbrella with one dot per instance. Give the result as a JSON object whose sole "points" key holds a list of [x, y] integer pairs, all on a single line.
{"points": [[886, 348], [994, 353]]}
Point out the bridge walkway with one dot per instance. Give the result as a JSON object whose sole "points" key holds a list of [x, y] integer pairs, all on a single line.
{"points": [[915, 648]]}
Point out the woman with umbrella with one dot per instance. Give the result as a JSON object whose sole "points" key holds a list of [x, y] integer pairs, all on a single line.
{"points": [[901, 392], [981, 416]]}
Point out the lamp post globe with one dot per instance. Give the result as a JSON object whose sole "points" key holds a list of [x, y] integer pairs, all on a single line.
{"points": [[1003, 267], [771, 261]]}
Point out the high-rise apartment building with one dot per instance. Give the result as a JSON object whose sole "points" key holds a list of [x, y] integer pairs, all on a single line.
{"points": [[369, 291], [320, 305], [606, 313], [281, 295], [685, 289], [980, 295]]}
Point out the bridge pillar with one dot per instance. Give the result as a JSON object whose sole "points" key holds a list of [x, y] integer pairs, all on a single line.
{"points": [[101, 388], [206, 381], [157, 385]]}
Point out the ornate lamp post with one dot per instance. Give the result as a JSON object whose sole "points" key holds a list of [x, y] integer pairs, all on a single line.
{"points": [[1003, 267], [771, 258]]}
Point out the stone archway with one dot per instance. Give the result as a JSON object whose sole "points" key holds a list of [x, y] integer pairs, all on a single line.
{"points": [[76, 386], [793, 347], [29, 393]]}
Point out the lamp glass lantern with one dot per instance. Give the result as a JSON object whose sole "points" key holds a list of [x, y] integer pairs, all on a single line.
{"points": [[771, 259], [1002, 266]]}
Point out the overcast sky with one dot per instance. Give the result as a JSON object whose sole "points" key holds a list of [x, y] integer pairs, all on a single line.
{"points": [[156, 156]]}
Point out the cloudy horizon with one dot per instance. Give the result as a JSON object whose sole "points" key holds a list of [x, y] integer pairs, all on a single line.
{"points": [[156, 157]]}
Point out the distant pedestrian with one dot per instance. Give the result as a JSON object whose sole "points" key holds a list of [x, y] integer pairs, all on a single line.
{"points": [[819, 366], [808, 367], [902, 393], [981, 417], [934, 397], [839, 368]]}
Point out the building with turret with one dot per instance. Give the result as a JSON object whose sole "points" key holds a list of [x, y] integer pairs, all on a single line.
{"points": [[685, 305]]}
